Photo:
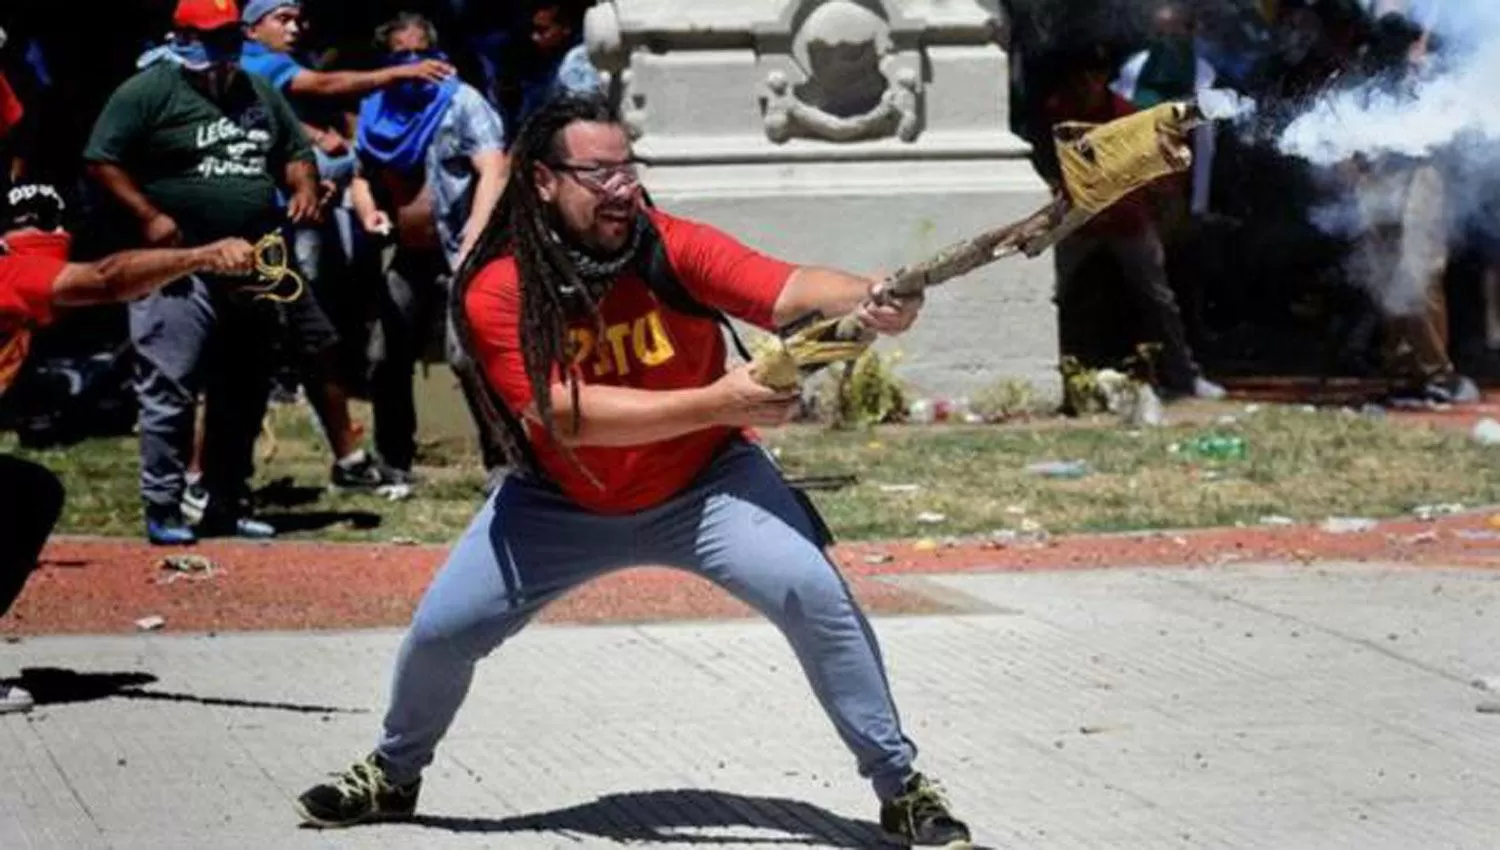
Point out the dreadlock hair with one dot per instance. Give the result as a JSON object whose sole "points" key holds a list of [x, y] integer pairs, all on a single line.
{"points": [[521, 226]]}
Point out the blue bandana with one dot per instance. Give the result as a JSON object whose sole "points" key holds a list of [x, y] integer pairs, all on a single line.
{"points": [[192, 56], [396, 124]]}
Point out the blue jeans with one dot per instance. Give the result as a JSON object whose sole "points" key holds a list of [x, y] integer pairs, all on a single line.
{"points": [[740, 526]]}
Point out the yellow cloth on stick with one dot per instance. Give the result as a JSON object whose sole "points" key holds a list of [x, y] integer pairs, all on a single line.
{"points": [[1102, 163]]}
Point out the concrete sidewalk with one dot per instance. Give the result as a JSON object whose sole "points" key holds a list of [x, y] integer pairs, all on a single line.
{"points": [[1273, 706]]}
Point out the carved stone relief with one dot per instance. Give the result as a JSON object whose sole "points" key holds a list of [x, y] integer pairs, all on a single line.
{"points": [[855, 85]]}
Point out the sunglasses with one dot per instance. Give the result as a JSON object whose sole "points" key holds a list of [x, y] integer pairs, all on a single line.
{"points": [[608, 179]]}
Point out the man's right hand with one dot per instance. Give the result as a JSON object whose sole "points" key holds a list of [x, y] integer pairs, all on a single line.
{"points": [[428, 70], [377, 222], [227, 257], [742, 402], [161, 231]]}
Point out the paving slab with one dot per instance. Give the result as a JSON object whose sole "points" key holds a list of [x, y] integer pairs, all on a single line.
{"points": [[1259, 706]]}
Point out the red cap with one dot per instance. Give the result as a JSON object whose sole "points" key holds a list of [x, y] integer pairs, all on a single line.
{"points": [[205, 15]]}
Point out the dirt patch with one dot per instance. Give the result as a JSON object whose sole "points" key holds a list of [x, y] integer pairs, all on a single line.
{"points": [[104, 586]]}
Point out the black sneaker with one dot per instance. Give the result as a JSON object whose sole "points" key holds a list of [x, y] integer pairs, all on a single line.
{"points": [[1449, 389], [360, 795], [363, 471], [920, 818]]}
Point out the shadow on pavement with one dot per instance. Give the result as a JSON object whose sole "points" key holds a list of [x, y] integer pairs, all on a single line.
{"points": [[279, 500], [55, 686], [286, 523], [284, 493], [672, 816]]}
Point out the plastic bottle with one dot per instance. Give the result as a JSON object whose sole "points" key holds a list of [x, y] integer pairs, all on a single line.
{"points": [[920, 412], [1219, 447]]}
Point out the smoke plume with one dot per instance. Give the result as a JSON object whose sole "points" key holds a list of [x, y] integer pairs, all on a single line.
{"points": [[1411, 159]]}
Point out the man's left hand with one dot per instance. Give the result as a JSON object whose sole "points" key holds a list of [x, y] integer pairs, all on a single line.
{"points": [[304, 206], [890, 319]]}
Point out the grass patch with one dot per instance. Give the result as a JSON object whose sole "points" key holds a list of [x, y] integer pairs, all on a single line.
{"points": [[1302, 465]]}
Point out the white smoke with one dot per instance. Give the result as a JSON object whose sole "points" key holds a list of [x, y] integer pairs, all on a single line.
{"points": [[1369, 140], [1416, 123]]}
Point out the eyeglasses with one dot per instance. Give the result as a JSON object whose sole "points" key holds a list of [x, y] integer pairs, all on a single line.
{"points": [[608, 179]]}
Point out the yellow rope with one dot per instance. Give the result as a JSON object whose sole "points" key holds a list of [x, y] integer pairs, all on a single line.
{"points": [[273, 264]]}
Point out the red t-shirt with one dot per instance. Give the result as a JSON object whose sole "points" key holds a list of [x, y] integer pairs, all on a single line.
{"points": [[646, 345], [25, 302]]}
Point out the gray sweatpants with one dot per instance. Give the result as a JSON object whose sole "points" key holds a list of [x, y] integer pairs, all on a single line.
{"points": [[740, 526], [195, 337]]}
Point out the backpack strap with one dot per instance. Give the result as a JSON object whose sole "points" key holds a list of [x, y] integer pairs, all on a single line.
{"points": [[656, 269]]}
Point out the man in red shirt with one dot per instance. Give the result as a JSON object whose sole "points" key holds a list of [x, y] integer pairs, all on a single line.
{"points": [[35, 279], [628, 443]]}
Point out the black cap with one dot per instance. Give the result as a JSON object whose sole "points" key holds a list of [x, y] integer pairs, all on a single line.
{"points": [[35, 205]]}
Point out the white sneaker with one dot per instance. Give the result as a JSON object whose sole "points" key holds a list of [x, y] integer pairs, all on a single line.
{"points": [[194, 500], [15, 700], [1206, 389]]}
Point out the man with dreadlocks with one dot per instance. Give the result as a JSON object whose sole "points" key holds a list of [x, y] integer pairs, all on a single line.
{"points": [[628, 446]]}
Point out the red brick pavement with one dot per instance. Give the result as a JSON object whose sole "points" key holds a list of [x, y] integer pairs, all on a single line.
{"points": [[103, 586]]}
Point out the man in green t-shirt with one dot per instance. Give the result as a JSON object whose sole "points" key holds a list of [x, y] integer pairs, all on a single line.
{"points": [[197, 150]]}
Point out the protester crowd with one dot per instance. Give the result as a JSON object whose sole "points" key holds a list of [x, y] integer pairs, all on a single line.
{"points": [[371, 159], [372, 183]]}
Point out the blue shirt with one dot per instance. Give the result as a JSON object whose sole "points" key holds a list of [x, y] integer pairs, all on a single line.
{"points": [[279, 69], [276, 68], [469, 127]]}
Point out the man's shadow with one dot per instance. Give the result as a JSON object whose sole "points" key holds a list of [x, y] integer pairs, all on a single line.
{"points": [[54, 686], [278, 499], [679, 817]]}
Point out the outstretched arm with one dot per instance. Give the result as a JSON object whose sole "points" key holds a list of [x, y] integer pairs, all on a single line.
{"points": [[131, 274], [812, 289], [349, 83]]}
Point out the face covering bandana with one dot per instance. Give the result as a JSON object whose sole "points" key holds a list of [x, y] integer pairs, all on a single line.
{"points": [[597, 274], [1170, 72], [219, 48], [192, 56], [397, 124]]}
